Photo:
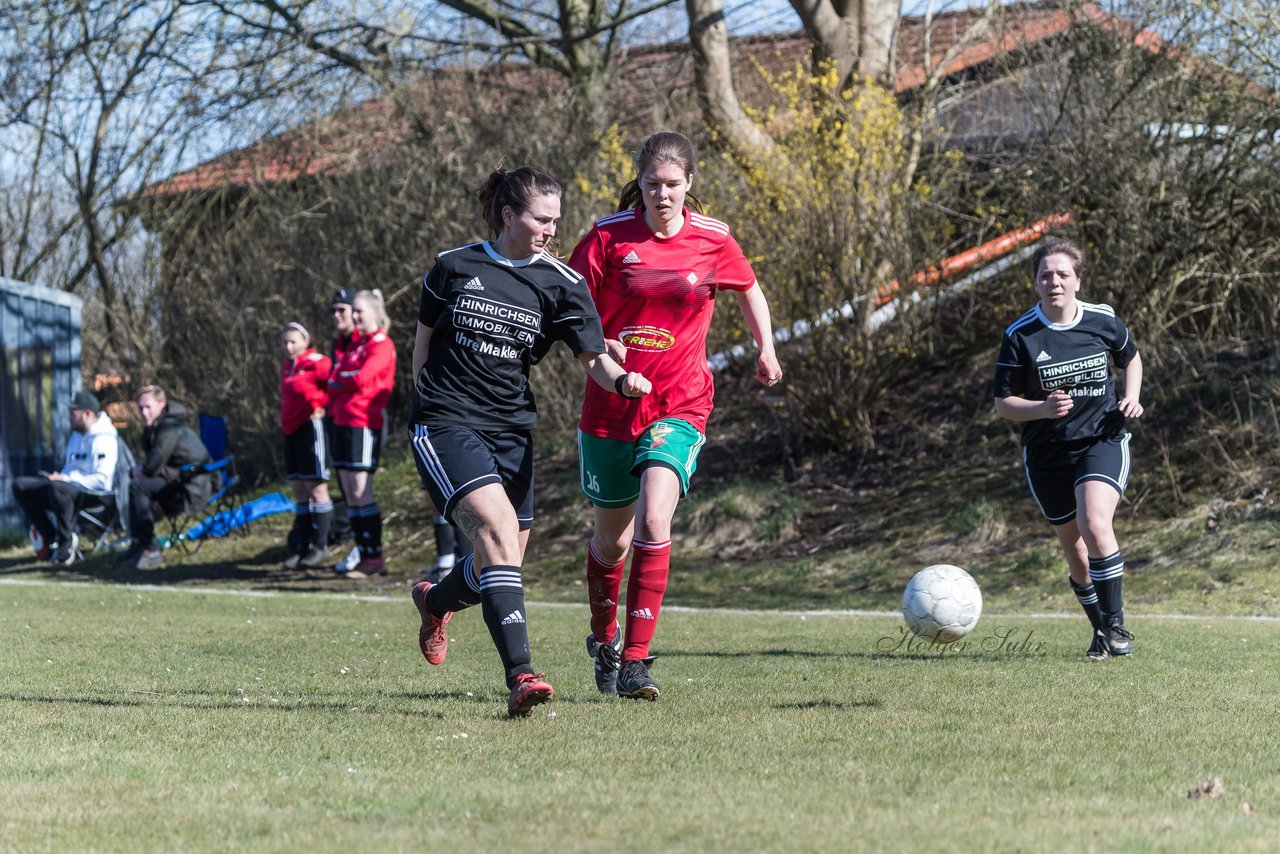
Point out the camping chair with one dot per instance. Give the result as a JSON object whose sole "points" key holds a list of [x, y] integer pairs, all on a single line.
{"points": [[225, 496], [102, 517]]}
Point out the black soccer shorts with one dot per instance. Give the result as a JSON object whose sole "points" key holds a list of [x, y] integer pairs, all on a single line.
{"points": [[306, 452], [354, 448], [454, 461], [1054, 471]]}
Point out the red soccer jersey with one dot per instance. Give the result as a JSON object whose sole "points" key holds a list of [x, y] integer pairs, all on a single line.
{"points": [[656, 296], [362, 381], [302, 388]]}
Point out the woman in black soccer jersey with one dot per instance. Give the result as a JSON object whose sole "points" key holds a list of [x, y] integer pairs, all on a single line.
{"points": [[1053, 375], [488, 311]]}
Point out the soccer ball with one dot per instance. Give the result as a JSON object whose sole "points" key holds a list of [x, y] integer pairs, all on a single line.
{"points": [[942, 603]]}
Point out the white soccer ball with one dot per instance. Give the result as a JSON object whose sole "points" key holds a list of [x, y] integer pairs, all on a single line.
{"points": [[942, 603]]}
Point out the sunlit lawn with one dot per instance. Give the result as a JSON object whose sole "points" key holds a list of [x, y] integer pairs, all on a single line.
{"points": [[142, 718]]}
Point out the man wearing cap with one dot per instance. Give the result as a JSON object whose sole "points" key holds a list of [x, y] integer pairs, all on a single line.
{"points": [[49, 499]]}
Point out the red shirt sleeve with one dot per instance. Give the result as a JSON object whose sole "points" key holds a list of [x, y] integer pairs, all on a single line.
{"points": [[380, 367], [733, 270], [588, 260], [376, 371], [316, 389]]}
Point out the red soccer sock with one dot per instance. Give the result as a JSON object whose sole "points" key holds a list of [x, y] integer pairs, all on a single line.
{"points": [[603, 583], [650, 566]]}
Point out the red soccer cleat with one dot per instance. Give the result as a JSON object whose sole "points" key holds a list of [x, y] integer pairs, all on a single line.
{"points": [[368, 567], [433, 640], [530, 690]]}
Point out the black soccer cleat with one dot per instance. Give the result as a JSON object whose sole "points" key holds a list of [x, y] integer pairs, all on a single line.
{"points": [[1099, 650], [1119, 640], [64, 554], [635, 682], [608, 658]]}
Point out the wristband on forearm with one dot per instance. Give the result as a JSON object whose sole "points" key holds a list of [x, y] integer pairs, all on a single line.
{"points": [[619, 383]]}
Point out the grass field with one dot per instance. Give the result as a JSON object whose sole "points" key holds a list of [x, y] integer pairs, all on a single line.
{"points": [[147, 718]]}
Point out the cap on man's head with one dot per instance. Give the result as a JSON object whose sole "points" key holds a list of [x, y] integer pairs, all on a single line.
{"points": [[85, 400], [342, 297]]}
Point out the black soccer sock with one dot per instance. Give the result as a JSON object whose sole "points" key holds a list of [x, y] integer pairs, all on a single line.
{"points": [[341, 521], [373, 531], [457, 591], [321, 522], [300, 533], [356, 517], [1108, 577], [366, 524], [1087, 596], [444, 541], [502, 601]]}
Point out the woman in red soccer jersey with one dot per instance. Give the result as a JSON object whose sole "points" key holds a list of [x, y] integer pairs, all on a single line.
{"points": [[304, 377], [359, 389], [653, 269]]}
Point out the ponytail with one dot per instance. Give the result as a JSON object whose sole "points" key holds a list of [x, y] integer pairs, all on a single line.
{"points": [[515, 189]]}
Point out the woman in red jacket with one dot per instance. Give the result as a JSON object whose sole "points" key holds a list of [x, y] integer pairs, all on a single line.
{"points": [[359, 389], [304, 375]]}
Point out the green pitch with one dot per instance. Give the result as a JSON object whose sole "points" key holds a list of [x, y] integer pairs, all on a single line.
{"points": [[161, 719]]}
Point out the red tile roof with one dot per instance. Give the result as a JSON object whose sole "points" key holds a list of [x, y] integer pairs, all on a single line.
{"points": [[357, 135]]}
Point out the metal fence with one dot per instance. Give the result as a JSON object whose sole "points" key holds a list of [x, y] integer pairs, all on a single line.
{"points": [[40, 359]]}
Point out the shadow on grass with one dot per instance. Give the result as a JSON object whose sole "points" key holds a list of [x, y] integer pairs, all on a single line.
{"points": [[829, 705], [891, 655], [264, 570], [204, 701], [758, 653]]}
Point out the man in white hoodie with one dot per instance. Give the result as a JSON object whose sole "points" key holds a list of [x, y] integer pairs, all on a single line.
{"points": [[49, 499]]}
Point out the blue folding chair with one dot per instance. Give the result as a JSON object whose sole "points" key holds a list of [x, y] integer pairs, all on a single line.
{"points": [[225, 496]]}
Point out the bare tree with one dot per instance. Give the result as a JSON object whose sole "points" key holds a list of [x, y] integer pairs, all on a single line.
{"points": [[855, 37], [392, 44], [97, 101]]}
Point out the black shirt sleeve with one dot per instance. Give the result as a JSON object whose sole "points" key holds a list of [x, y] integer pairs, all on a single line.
{"points": [[432, 302], [1122, 347], [575, 321], [1010, 376]]}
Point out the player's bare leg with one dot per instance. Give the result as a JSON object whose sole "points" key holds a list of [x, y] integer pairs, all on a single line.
{"points": [[1097, 501]]}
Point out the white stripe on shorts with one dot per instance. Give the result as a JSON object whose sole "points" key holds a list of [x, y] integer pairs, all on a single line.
{"points": [[1026, 469], [426, 454], [318, 448]]}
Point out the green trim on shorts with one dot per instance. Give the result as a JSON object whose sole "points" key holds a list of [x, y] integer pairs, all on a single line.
{"points": [[609, 469]]}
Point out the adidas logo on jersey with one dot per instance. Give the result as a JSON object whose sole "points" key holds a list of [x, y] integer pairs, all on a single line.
{"points": [[632, 258], [513, 618], [473, 285], [642, 614], [1043, 357]]}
